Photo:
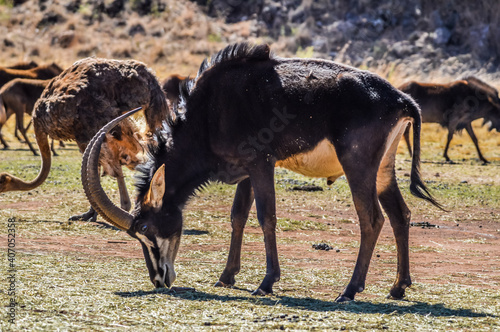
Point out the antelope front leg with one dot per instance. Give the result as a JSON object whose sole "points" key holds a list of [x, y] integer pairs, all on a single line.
{"points": [[4, 143], [448, 140], [262, 179], [20, 126], [242, 203]]}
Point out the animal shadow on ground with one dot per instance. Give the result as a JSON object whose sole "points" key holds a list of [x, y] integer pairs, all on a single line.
{"points": [[22, 149], [358, 307], [104, 225], [462, 162], [194, 232]]}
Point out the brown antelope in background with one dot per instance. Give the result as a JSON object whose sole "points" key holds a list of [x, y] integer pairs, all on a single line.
{"points": [[455, 105]]}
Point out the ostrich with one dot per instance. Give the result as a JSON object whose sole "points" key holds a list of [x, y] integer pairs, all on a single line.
{"points": [[76, 104]]}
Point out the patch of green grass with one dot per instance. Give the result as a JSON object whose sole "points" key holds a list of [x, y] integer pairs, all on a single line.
{"points": [[214, 38], [287, 224], [7, 3], [305, 52]]}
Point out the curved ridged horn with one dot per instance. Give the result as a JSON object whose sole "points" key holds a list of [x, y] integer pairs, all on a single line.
{"points": [[92, 184]]}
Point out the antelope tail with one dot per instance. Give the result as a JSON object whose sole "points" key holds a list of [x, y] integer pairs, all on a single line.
{"points": [[417, 186]]}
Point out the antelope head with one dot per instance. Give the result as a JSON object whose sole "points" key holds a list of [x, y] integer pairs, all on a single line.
{"points": [[159, 240]]}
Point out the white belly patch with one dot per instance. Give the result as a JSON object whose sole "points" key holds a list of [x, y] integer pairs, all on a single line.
{"points": [[321, 162]]}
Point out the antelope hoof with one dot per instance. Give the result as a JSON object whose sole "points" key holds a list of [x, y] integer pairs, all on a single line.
{"points": [[90, 215], [343, 298], [396, 294], [221, 284], [260, 292]]}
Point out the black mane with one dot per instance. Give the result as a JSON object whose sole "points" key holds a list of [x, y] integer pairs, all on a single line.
{"points": [[231, 53], [156, 152]]}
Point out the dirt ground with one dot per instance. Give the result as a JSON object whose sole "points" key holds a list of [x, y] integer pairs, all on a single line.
{"points": [[458, 247], [464, 253]]}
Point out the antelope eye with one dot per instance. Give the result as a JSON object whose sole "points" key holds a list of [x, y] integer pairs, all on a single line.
{"points": [[144, 228]]}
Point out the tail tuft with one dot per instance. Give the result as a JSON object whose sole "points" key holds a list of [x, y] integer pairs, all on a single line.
{"points": [[418, 189]]}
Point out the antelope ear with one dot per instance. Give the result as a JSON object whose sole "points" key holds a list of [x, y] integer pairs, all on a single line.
{"points": [[154, 197]]}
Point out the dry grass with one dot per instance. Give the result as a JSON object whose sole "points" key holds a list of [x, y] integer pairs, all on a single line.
{"points": [[81, 276], [174, 41]]}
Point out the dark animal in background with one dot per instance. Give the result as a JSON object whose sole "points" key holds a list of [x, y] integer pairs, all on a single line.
{"points": [[40, 73], [171, 87], [24, 70], [18, 97], [86, 96], [455, 105], [248, 109], [24, 65]]}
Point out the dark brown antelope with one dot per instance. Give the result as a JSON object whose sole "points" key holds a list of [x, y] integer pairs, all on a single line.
{"points": [[24, 65], [18, 97], [455, 105], [171, 87], [40, 73], [248, 109]]}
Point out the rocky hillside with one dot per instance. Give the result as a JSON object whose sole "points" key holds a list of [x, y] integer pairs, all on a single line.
{"points": [[421, 39], [170, 36]]}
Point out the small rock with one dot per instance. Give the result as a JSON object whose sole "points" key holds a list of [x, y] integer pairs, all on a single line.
{"points": [[322, 246], [441, 36], [136, 29], [308, 188]]}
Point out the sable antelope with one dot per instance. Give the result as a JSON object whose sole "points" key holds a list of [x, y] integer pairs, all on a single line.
{"points": [[455, 105], [86, 96], [40, 73], [19, 97], [248, 109]]}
